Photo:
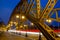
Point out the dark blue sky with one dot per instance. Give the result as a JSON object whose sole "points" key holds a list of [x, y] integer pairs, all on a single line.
{"points": [[7, 7]]}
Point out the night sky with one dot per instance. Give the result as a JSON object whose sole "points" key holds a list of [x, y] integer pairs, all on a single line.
{"points": [[7, 7]]}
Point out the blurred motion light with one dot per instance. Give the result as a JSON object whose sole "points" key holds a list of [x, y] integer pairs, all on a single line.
{"points": [[59, 35]]}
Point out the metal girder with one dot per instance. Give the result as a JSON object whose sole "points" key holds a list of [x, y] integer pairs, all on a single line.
{"points": [[45, 29], [49, 7], [55, 12], [38, 8], [41, 26], [56, 9]]}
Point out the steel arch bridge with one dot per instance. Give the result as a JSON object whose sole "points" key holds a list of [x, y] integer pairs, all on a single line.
{"points": [[36, 15]]}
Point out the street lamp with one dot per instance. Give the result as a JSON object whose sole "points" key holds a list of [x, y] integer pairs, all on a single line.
{"points": [[23, 17], [49, 20], [17, 16]]}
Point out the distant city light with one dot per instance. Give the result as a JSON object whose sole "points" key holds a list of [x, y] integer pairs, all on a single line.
{"points": [[8, 25], [32, 24], [11, 22], [21, 26], [25, 25], [11, 25], [14, 22]]}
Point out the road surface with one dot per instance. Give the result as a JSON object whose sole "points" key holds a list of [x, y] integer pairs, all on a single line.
{"points": [[9, 36]]}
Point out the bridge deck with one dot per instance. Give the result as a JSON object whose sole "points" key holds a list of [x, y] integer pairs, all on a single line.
{"points": [[8, 36]]}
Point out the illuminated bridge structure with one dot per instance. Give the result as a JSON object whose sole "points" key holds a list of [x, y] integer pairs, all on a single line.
{"points": [[33, 12]]}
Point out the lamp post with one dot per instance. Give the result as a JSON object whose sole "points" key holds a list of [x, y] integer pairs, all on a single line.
{"points": [[20, 18], [49, 20], [17, 17]]}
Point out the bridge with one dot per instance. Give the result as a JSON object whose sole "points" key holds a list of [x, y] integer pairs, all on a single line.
{"points": [[33, 12]]}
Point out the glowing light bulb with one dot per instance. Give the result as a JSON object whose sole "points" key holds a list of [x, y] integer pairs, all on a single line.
{"points": [[17, 16], [23, 17], [49, 20]]}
